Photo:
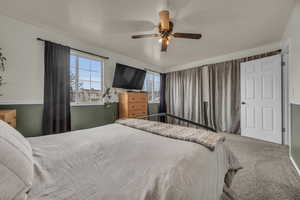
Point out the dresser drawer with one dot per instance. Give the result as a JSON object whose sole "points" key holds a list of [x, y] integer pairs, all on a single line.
{"points": [[137, 106], [9, 116], [13, 123], [137, 114], [135, 98]]}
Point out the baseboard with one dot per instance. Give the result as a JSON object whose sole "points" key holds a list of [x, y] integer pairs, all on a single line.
{"points": [[20, 102], [295, 165]]}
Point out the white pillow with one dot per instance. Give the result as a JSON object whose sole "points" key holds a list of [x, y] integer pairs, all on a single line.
{"points": [[16, 164]]}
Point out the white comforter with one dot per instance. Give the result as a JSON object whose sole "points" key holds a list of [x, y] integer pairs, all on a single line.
{"points": [[117, 162]]}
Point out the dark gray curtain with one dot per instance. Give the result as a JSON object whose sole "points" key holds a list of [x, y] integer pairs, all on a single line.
{"points": [[184, 95], [56, 114], [224, 96], [162, 102]]}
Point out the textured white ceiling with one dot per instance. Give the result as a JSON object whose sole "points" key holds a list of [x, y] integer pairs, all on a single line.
{"points": [[226, 25]]}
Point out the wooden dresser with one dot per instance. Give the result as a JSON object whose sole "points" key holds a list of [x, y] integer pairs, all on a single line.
{"points": [[133, 104], [9, 116]]}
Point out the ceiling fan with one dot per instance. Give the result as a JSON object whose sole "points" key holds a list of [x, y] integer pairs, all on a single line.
{"points": [[165, 29]]}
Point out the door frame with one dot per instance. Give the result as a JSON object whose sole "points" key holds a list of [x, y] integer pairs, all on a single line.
{"points": [[286, 121], [286, 49]]}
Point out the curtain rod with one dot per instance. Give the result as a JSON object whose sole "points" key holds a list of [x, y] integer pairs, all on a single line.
{"points": [[86, 52]]}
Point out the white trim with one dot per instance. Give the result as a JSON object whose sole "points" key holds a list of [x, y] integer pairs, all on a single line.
{"points": [[286, 45], [37, 102], [153, 102], [20, 102], [23, 102], [87, 104], [295, 165], [286, 49], [223, 58], [294, 101]]}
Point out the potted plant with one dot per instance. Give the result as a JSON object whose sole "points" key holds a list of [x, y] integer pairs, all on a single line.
{"points": [[108, 97], [2, 66]]}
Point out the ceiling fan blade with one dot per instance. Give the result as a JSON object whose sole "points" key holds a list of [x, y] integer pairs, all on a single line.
{"points": [[145, 36], [164, 45], [187, 35], [164, 19]]}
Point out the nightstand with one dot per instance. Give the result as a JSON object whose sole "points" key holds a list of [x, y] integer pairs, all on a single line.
{"points": [[9, 116]]}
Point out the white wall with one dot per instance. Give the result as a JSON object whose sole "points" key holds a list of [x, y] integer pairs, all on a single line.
{"points": [[25, 66], [227, 57], [292, 37]]}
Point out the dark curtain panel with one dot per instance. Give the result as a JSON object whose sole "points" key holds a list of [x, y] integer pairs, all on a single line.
{"points": [[162, 103], [224, 94], [56, 114]]}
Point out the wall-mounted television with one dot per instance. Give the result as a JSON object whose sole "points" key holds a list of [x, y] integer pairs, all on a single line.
{"points": [[127, 77]]}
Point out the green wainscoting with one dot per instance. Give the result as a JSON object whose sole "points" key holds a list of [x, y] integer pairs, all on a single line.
{"points": [[83, 117], [29, 117], [153, 108], [295, 133]]}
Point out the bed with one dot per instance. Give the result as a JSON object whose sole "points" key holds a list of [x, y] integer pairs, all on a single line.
{"points": [[117, 161]]}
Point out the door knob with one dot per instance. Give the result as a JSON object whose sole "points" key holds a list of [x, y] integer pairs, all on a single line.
{"points": [[243, 103]]}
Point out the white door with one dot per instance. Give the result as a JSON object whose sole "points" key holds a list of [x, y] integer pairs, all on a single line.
{"points": [[261, 99]]}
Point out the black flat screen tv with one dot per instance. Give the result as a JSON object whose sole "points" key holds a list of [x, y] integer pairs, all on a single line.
{"points": [[127, 77]]}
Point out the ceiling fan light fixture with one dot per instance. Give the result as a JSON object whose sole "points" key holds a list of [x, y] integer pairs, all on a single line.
{"points": [[165, 32]]}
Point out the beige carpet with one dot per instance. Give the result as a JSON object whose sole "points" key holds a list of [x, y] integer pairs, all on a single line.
{"points": [[268, 173]]}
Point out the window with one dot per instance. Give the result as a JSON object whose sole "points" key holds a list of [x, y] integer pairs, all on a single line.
{"points": [[86, 77], [152, 86]]}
